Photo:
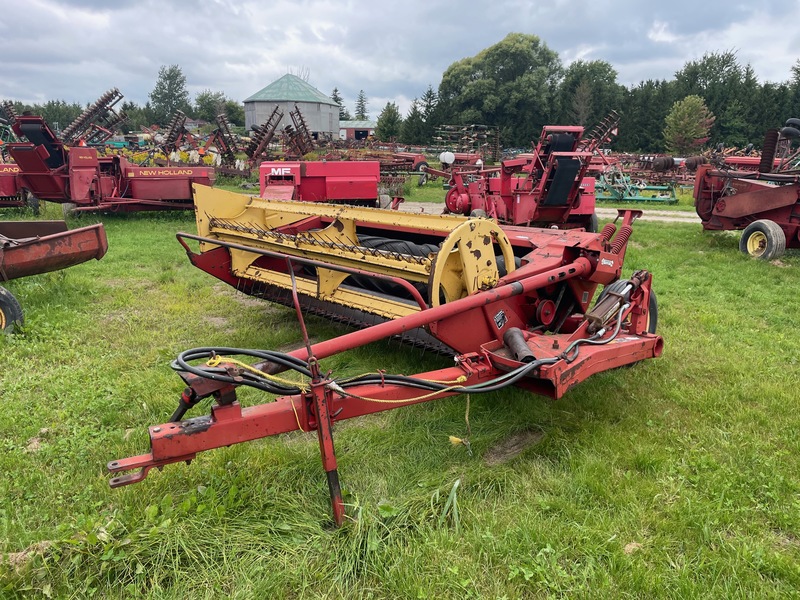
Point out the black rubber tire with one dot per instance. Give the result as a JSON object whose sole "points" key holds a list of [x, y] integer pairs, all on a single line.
{"points": [[10, 312], [763, 239], [793, 122], [790, 132], [421, 166]]}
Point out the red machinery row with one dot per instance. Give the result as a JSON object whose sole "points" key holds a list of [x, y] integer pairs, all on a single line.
{"points": [[80, 176]]}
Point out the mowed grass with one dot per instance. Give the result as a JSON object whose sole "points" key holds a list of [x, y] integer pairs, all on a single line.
{"points": [[674, 478]]}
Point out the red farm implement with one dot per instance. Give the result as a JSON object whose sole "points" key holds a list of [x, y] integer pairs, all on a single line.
{"points": [[78, 175], [547, 187], [760, 197], [338, 182], [513, 304], [10, 193], [33, 247]]}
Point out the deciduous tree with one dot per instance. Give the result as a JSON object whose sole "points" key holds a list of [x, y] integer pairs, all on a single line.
{"points": [[169, 94], [208, 104], [235, 112], [511, 84]]}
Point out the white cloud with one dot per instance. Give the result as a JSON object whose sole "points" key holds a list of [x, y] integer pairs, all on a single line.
{"points": [[73, 50], [660, 32]]}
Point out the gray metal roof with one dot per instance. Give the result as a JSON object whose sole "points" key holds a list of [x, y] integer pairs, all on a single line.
{"points": [[357, 124], [292, 89]]}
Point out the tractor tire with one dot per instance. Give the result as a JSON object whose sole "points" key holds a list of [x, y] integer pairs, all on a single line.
{"points": [[10, 312], [790, 132], [421, 166], [763, 239]]}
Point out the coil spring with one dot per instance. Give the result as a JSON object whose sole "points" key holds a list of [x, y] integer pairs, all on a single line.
{"points": [[608, 231], [621, 239]]}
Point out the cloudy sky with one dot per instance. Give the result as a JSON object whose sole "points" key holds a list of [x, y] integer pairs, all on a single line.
{"points": [[76, 49]]}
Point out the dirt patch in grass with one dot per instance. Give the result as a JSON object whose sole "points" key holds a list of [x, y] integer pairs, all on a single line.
{"points": [[632, 547], [218, 322], [18, 560], [36, 441], [512, 447]]}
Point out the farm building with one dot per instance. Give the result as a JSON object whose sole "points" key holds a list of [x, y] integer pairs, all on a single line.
{"points": [[320, 112], [356, 130]]}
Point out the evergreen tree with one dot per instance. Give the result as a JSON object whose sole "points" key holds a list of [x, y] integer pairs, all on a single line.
{"points": [[361, 106], [430, 113], [389, 123], [687, 126], [413, 129], [344, 114], [644, 108], [138, 116], [733, 129], [718, 79], [589, 92], [581, 104]]}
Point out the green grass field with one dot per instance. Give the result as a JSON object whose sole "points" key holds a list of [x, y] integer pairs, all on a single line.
{"points": [[679, 477]]}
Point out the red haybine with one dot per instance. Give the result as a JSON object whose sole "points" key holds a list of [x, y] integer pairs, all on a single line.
{"points": [[529, 323]]}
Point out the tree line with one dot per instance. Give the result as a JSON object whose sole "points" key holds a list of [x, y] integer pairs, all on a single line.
{"points": [[520, 85], [168, 95]]}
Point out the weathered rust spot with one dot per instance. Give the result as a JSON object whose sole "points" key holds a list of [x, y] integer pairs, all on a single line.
{"points": [[487, 239], [193, 426]]}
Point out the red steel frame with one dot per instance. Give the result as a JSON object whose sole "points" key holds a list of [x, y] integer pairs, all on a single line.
{"points": [[519, 191], [10, 195], [326, 403], [310, 181], [33, 247], [731, 200], [78, 175]]}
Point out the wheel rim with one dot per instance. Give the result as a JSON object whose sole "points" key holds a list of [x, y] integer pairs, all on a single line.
{"points": [[3, 319], [756, 243], [461, 266]]}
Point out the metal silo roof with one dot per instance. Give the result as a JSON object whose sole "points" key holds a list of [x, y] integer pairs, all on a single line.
{"points": [[292, 89]]}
